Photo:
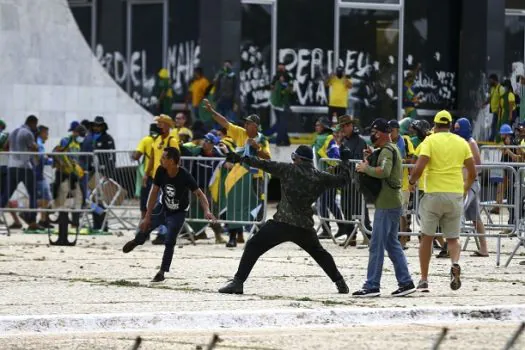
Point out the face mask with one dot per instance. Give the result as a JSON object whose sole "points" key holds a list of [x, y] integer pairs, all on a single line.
{"points": [[373, 138], [79, 139]]}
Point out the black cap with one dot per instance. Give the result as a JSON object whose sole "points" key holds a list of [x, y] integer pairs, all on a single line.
{"points": [[254, 118], [99, 120], [393, 124], [304, 152], [380, 125]]}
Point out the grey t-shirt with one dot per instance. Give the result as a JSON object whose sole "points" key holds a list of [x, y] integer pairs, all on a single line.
{"points": [[21, 140]]}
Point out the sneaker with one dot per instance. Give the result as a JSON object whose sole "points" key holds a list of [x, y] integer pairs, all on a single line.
{"points": [[443, 254], [159, 277], [158, 240], [46, 224], [422, 286], [455, 272], [240, 237], [367, 293], [232, 242], [234, 286], [15, 226], [342, 288], [405, 290], [128, 247], [201, 235]]}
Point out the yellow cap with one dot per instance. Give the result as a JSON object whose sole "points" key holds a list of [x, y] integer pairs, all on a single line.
{"points": [[443, 117]]}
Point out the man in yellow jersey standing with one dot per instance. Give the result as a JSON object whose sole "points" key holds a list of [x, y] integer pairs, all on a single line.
{"points": [[340, 87], [444, 155], [144, 150], [165, 139], [495, 93]]}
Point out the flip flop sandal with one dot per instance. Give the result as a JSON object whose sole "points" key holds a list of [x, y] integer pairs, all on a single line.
{"points": [[479, 255]]}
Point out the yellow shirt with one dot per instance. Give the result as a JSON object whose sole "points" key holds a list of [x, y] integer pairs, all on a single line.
{"points": [[410, 154], [197, 89], [447, 153], [240, 137], [422, 181], [338, 92], [495, 94], [144, 147], [158, 148], [176, 131]]}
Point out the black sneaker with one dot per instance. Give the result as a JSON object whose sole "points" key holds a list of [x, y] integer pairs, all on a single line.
{"points": [[405, 290], [232, 242], [158, 240], [342, 288], [367, 293], [234, 286], [46, 224], [128, 247], [443, 254], [455, 281], [422, 286], [159, 277]]}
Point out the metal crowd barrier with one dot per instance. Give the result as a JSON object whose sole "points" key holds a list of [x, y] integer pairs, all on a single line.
{"points": [[38, 185], [344, 206], [502, 190]]}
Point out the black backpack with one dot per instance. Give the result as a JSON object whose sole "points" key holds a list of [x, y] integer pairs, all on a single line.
{"points": [[370, 186]]}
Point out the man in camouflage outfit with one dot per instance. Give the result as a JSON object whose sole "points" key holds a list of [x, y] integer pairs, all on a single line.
{"points": [[301, 185]]}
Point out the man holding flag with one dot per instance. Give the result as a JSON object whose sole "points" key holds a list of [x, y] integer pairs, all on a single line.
{"points": [[250, 142]]}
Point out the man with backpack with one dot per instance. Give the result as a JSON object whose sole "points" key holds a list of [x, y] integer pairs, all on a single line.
{"points": [[387, 214]]}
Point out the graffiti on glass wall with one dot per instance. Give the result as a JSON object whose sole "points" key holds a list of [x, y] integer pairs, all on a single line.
{"points": [[254, 76], [373, 81], [182, 58]]}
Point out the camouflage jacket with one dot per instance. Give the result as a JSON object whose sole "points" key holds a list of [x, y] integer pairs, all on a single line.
{"points": [[301, 185]]}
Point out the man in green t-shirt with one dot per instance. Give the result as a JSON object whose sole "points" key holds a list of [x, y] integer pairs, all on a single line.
{"points": [[282, 88], [387, 214]]}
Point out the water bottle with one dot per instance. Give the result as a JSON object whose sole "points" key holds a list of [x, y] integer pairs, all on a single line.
{"points": [[97, 209]]}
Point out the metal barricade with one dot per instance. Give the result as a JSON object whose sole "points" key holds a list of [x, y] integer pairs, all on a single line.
{"points": [[346, 205], [237, 194], [117, 191], [35, 184], [520, 214], [496, 154]]}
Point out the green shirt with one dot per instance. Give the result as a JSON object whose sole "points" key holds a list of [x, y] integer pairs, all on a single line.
{"points": [[391, 177]]}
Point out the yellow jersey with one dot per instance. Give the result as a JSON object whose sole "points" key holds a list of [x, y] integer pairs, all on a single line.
{"points": [[158, 148], [447, 153], [240, 137], [338, 92], [144, 147]]}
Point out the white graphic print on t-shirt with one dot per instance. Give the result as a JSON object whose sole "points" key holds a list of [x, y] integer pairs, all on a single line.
{"points": [[170, 201]]}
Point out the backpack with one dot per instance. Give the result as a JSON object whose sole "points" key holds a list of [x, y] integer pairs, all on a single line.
{"points": [[369, 186]]}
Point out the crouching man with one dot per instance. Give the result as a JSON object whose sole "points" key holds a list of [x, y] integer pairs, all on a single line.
{"points": [[301, 185]]}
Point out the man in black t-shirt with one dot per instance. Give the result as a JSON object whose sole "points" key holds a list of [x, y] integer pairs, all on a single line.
{"points": [[175, 183]]}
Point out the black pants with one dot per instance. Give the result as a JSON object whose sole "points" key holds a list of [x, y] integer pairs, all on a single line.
{"points": [[273, 233], [338, 111], [14, 177], [174, 222]]}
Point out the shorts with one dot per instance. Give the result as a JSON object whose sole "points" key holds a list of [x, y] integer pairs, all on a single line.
{"points": [[144, 195], [472, 210], [43, 191], [443, 210]]}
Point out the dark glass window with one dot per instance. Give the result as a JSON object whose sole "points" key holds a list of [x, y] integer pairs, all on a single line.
{"points": [[183, 44], [146, 50], [432, 39], [255, 61], [83, 18]]}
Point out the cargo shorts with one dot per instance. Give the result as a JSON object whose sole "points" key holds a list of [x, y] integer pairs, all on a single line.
{"points": [[442, 210]]}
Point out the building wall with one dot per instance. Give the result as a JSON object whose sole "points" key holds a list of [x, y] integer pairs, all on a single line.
{"points": [[49, 70]]}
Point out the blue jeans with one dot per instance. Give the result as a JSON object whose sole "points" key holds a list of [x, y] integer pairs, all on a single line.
{"points": [[384, 237], [174, 222]]}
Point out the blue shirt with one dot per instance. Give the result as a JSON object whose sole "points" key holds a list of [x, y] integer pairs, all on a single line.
{"points": [[402, 147], [333, 150], [43, 160]]}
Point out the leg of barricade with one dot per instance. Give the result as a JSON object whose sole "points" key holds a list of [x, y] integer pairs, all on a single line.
{"points": [[8, 231], [63, 231], [190, 232], [498, 250], [465, 245], [351, 236], [520, 243]]}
